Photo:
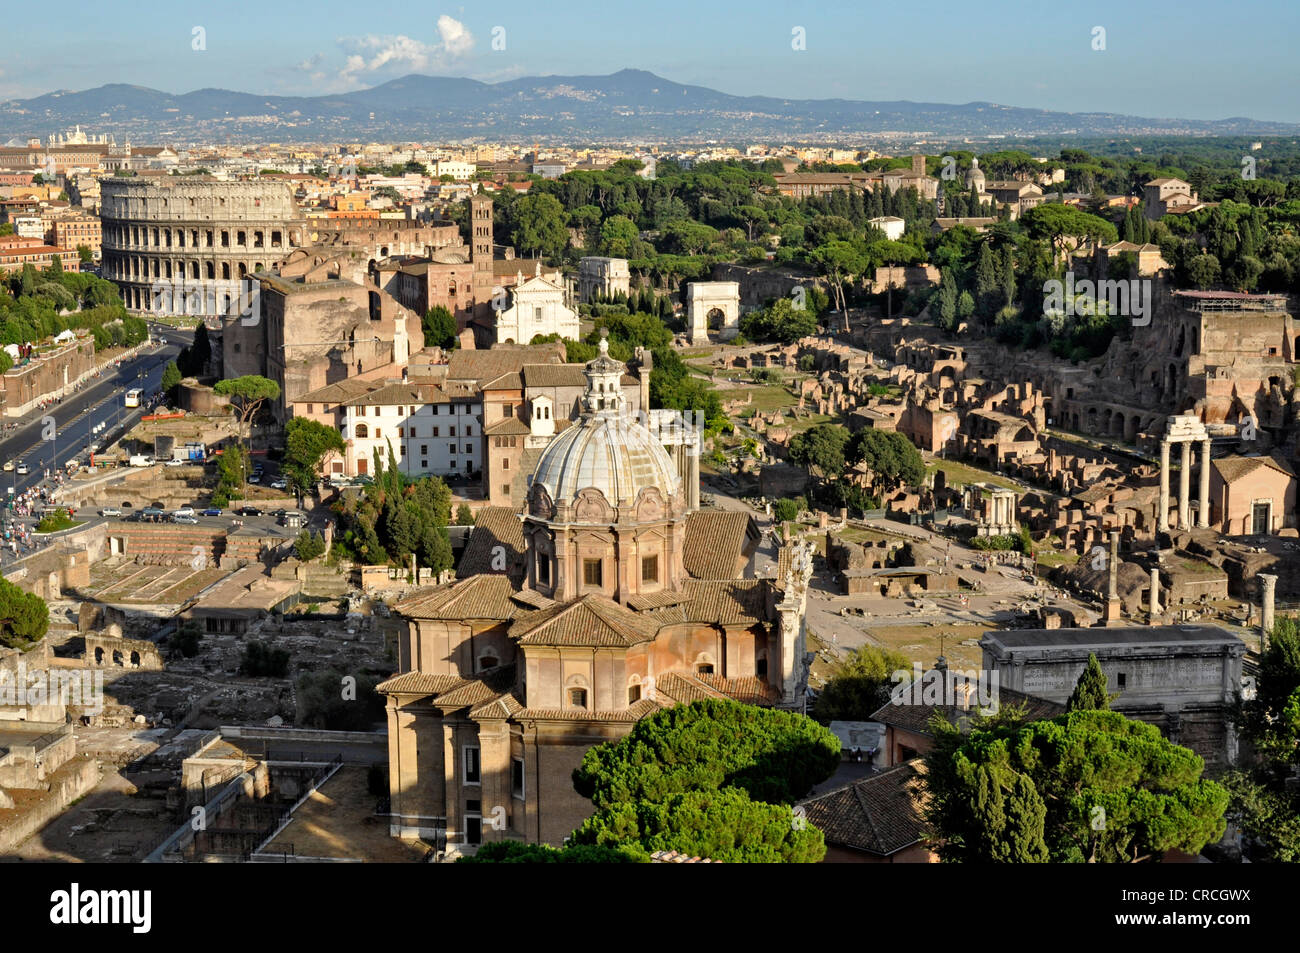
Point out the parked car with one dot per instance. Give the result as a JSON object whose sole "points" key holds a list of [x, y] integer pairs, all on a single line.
{"points": [[183, 511], [212, 511], [177, 518], [250, 511], [255, 478], [110, 511], [152, 513], [175, 463]]}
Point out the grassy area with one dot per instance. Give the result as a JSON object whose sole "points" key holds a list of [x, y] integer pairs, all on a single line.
{"points": [[56, 522], [958, 473], [766, 398], [924, 644], [1052, 558]]}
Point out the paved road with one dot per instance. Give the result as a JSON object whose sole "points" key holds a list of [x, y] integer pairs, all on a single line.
{"points": [[100, 401]]}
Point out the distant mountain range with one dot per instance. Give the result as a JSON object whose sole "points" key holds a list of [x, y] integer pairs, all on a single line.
{"points": [[630, 105]]}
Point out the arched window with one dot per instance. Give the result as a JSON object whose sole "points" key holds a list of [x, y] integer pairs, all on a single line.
{"points": [[363, 430], [488, 660]]}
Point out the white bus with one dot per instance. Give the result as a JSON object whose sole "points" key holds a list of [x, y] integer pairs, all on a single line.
{"points": [[133, 397]]}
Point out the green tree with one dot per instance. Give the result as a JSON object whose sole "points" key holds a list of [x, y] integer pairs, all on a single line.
{"points": [[1113, 789], [309, 545], [515, 852], [171, 378], [306, 444], [891, 458], [722, 825], [439, 328], [1090, 690], [788, 508], [780, 321], [260, 659], [248, 394], [1065, 227], [24, 618], [537, 225], [859, 684], [820, 447], [773, 755], [464, 516]]}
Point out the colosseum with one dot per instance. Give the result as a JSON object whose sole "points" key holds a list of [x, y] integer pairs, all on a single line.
{"points": [[183, 244]]}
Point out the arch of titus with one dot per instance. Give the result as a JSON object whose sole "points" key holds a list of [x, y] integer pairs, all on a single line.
{"points": [[1185, 429], [704, 297]]}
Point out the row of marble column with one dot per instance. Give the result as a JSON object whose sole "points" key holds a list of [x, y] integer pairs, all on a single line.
{"points": [[1185, 487]]}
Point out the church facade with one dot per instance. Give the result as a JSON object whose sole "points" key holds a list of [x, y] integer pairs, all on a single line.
{"points": [[609, 598]]}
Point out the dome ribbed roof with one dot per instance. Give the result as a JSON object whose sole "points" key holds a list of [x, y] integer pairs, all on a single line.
{"points": [[610, 452]]}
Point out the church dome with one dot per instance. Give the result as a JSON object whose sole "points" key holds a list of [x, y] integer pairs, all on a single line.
{"points": [[975, 176], [607, 449]]}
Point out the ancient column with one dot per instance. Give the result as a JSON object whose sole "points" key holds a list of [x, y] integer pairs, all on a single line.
{"points": [[1112, 581], [1185, 488], [1162, 513], [1203, 511], [1267, 585], [1155, 595]]}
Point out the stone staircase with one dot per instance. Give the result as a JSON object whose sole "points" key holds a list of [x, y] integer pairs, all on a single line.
{"points": [[324, 582]]}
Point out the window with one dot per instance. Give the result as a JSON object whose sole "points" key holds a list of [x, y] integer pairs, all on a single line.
{"points": [[543, 568], [361, 411], [517, 777], [1121, 679], [704, 668], [578, 697], [650, 568], [424, 449], [591, 572], [473, 822], [470, 753], [505, 489], [507, 410], [362, 430], [505, 463], [309, 407], [451, 431], [400, 434], [469, 448], [633, 694], [435, 431], [761, 667], [379, 433]]}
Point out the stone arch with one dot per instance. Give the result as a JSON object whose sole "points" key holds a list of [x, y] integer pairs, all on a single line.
{"points": [[703, 298]]}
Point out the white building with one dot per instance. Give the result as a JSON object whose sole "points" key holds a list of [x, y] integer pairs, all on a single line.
{"points": [[537, 306], [459, 171], [431, 432], [891, 225]]}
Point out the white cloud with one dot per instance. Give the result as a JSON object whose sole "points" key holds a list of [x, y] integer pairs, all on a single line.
{"points": [[378, 54]]}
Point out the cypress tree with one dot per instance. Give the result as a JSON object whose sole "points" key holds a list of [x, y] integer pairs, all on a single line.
{"points": [[986, 282], [1090, 690]]}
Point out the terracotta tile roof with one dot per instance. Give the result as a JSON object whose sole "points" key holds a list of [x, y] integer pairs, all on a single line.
{"points": [[508, 426], [494, 526], [503, 705], [733, 602], [916, 718], [591, 620], [481, 689], [880, 814], [478, 597], [633, 713], [339, 392], [488, 365], [418, 683], [657, 600], [1234, 468], [751, 690], [673, 857], [401, 395], [511, 381], [677, 688], [716, 543]]}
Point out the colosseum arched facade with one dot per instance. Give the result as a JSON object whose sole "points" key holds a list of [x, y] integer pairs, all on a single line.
{"points": [[184, 244]]}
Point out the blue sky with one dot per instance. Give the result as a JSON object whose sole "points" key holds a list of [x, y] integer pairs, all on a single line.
{"points": [[1192, 59]]}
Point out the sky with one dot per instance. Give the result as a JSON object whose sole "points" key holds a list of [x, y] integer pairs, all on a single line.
{"points": [[1193, 59]]}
